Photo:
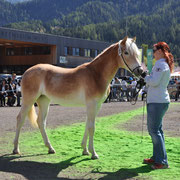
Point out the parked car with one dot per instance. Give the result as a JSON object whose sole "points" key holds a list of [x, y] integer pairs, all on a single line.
{"points": [[4, 76], [18, 77]]}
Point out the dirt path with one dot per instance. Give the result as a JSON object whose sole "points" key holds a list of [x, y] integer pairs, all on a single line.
{"points": [[171, 122], [59, 115]]}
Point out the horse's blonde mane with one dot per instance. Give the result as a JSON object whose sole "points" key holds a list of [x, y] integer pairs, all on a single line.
{"points": [[103, 51], [130, 46]]}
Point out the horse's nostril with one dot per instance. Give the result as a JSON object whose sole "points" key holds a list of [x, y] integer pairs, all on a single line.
{"points": [[139, 71]]}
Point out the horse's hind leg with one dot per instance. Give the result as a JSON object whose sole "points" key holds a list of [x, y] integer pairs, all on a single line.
{"points": [[43, 104], [20, 121]]}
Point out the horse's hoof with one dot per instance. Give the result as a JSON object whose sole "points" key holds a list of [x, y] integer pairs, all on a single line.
{"points": [[16, 152], [95, 156], [85, 153], [51, 151]]}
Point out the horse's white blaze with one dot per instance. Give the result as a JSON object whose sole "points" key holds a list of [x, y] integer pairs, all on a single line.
{"points": [[86, 85]]}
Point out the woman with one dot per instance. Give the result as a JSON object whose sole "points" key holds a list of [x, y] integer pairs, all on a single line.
{"points": [[18, 93], [10, 92], [158, 102], [3, 93]]}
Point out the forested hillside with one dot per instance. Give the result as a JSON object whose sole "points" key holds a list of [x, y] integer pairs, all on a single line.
{"points": [[105, 20], [95, 11]]}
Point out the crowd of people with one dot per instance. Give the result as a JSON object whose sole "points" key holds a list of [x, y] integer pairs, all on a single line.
{"points": [[176, 82], [10, 91], [123, 89]]}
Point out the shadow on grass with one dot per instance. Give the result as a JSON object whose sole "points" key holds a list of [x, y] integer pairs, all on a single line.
{"points": [[124, 173], [32, 170]]}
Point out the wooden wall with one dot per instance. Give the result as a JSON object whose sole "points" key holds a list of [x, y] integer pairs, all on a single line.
{"points": [[28, 59]]}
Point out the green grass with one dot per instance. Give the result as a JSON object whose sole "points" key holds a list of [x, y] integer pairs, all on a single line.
{"points": [[121, 152]]}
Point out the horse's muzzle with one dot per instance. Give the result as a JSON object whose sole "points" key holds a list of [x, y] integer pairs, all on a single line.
{"points": [[138, 71]]}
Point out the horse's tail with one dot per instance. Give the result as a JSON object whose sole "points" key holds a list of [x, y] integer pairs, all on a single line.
{"points": [[33, 117], [109, 90]]}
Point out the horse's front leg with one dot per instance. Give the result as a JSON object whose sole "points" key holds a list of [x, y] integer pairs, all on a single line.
{"points": [[91, 129], [92, 109]]}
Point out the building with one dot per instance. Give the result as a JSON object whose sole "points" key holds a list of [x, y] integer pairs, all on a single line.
{"points": [[20, 50]]}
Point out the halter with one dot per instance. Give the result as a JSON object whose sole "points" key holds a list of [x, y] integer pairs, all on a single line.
{"points": [[121, 55]]}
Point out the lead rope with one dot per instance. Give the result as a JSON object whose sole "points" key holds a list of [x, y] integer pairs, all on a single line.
{"points": [[134, 99], [142, 130]]}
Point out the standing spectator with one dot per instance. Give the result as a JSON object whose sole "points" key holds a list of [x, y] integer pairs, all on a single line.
{"points": [[124, 89], [11, 93], [14, 80], [3, 93], [158, 102], [18, 93], [117, 81], [144, 92], [178, 90], [112, 93], [116, 87], [133, 87]]}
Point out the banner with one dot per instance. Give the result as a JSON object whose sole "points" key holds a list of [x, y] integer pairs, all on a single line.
{"points": [[140, 55], [149, 59], [62, 59]]}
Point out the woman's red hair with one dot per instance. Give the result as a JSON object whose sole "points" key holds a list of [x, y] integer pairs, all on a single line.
{"points": [[167, 54]]}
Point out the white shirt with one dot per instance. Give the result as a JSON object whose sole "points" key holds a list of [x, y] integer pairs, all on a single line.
{"points": [[124, 85], [157, 83], [133, 84], [18, 88], [3, 89]]}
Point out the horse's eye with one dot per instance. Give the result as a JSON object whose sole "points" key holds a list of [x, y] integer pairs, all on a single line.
{"points": [[126, 53]]}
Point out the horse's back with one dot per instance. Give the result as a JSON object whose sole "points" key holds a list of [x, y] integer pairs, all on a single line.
{"points": [[58, 84]]}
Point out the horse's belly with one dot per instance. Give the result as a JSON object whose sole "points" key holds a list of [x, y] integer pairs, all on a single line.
{"points": [[65, 102], [76, 99]]}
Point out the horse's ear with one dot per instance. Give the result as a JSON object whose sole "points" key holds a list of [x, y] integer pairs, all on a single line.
{"points": [[134, 39], [123, 42]]}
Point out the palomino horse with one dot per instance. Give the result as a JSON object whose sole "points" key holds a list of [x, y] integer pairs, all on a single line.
{"points": [[86, 85]]}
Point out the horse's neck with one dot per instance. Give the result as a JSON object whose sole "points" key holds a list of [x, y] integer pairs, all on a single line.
{"points": [[106, 64]]}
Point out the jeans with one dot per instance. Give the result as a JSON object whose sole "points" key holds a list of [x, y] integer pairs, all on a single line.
{"points": [[177, 95], [2, 99], [155, 114], [18, 94]]}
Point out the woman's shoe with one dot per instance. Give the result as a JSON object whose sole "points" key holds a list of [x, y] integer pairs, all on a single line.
{"points": [[148, 161], [159, 166]]}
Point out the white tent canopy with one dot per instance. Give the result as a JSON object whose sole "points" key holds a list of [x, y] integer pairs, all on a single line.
{"points": [[175, 74]]}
